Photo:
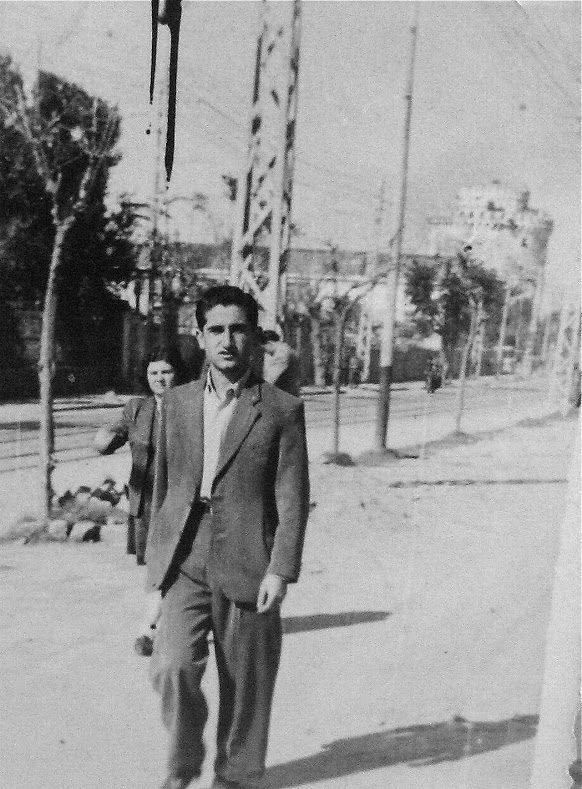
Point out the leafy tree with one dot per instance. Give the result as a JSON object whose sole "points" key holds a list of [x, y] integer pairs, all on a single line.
{"points": [[98, 254], [441, 297], [98, 250], [63, 140], [25, 220]]}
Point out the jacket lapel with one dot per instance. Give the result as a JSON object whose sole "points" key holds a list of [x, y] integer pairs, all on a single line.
{"points": [[195, 429], [145, 422], [245, 414]]}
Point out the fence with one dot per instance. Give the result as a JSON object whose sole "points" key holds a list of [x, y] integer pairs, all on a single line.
{"points": [[21, 383]]}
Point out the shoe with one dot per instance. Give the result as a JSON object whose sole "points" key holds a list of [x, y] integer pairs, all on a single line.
{"points": [[175, 782], [225, 783], [144, 646]]}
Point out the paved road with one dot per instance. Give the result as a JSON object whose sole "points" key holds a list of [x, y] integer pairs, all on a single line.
{"points": [[414, 643], [76, 424]]}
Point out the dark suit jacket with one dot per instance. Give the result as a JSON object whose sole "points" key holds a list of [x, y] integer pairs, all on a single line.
{"points": [[135, 426], [260, 494]]}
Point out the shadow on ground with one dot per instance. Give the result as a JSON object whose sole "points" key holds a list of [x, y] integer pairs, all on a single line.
{"points": [[31, 425], [417, 483], [301, 624], [416, 746], [416, 451], [455, 439]]}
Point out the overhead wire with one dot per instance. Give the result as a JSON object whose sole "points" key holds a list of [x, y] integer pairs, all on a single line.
{"points": [[530, 85], [560, 53], [543, 64], [524, 50], [328, 189], [301, 160], [357, 208], [335, 171], [523, 91], [334, 193]]}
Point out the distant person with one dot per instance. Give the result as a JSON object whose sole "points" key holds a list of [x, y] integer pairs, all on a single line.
{"points": [[139, 426], [355, 367], [280, 365], [433, 375]]}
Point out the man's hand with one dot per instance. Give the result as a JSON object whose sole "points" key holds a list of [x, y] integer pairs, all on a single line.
{"points": [[153, 610], [271, 593]]}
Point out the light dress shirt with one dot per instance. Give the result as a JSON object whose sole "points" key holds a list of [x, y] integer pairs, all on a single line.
{"points": [[217, 412]]}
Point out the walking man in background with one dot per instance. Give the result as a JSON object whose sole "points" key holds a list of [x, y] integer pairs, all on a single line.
{"points": [[230, 508], [280, 362]]}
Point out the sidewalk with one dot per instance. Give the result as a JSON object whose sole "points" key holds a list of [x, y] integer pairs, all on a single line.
{"points": [[28, 411], [414, 641]]}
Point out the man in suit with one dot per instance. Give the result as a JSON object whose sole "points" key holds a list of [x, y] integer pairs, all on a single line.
{"points": [[231, 498]]}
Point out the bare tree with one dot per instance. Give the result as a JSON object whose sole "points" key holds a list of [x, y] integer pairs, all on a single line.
{"points": [[477, 317], [69, 137], [339, 304], [307, 306]]}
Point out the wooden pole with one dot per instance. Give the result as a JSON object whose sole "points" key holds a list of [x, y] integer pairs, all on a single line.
{"points": [[387, 344]]}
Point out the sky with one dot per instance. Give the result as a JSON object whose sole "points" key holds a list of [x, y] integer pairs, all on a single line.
{"points": [[496, 96]]}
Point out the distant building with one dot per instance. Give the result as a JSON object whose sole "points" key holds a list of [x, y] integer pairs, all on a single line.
{"points": [[505, 233], [206, 264]]}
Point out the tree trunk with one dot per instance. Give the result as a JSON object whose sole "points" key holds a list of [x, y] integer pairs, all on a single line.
{"points": [[299, 347], [168, 319], [532, 329], [46, 372], [318, 366], [478, 343], [447, 358], [502, 331], [337, 366], [546, 340], [463, 371]]}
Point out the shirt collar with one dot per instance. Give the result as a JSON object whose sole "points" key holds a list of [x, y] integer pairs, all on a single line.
{"points": [[233, 390]]}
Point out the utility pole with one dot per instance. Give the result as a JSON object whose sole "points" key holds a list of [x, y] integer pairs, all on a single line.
{"points": [[476, 300], [387, 346], [156, 197], [364, 340], [265, 187], [148, 270]]}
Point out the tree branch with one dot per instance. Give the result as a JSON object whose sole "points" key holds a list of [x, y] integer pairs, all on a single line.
{"points": [[36, 149]]}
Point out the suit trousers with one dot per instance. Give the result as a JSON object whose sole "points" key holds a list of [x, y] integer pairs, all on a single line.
{"points": [[247, 647], [137, 535]]}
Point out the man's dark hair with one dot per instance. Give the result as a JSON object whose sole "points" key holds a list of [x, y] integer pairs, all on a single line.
{"points": [[225, 296], [269, 335]]}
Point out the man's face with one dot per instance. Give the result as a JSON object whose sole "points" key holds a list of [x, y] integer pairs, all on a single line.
{"points": [[227, 339], [160, 377]]}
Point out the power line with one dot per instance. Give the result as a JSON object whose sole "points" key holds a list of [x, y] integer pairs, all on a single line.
{"points": [[301, 158], [326, 189], [521, 91], [521, 36], [561, 54], [526, 49], [237, 122]]}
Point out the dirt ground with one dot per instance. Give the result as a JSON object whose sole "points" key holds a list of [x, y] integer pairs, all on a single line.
{"points": [[414, 646]]}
